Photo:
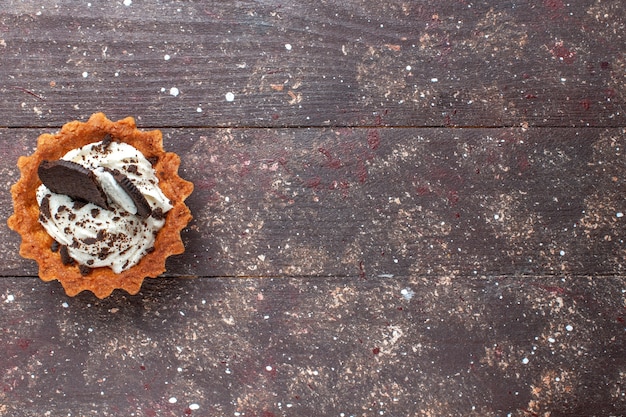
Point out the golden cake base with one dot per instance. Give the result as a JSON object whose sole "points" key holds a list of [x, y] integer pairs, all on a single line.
{"points": [[36, 242]]}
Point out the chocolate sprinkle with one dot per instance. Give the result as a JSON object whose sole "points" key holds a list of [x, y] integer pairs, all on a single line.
{"points": [[73, 180]]}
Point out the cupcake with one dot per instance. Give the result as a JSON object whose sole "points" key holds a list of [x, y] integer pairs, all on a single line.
{"points": [[100, 206]]}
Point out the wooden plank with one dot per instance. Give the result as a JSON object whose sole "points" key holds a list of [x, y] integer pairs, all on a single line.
{"points": [[388, 202], [351, 254], [281, 347], [348, 63]]}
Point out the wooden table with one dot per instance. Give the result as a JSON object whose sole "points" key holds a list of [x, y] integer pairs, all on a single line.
{"points": [[401, 208]]}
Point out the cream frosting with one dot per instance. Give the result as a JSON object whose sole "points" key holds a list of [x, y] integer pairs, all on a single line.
{"points": [[116, 237]]}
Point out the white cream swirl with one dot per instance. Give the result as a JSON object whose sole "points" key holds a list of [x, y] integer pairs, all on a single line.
{"points": [[97, 237]]}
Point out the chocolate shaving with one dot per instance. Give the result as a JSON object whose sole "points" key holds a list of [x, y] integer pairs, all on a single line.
{"points": [[73, 180]]}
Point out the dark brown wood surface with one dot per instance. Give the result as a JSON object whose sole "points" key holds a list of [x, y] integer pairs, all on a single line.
{"points": [[401, 208]]}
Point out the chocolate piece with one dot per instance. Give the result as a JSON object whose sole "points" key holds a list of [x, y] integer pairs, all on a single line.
{"points": [[107, 141], [54, 247], [44, 208], [65, 256], [133, 169], [84, 270], [73, 180], [158, 214], [143, 207], [78, 205], [104, 253]]}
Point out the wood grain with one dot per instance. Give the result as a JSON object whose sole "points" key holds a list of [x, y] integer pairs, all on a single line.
{"points": [[349, 63], [379, 202], [401, 208], [403, 346]]}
